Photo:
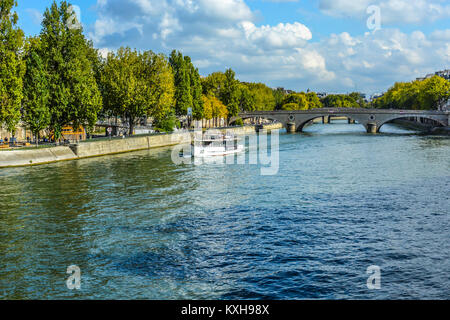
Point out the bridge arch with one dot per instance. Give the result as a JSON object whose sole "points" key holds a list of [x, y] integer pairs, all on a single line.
{"points": [[303, 122], [406, 116], [245, 117]]}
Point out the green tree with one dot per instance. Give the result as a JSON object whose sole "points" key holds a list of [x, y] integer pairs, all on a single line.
{"points": [[137, 85], [279, 96], [195, 90], [229, 95], [124, 91], [358, 99], [160, 85], [313, 100], [428, 94], [36, 108], [339, 101], [435, 91], [214, 84], [74, 96], [299, 101], [263, 95], [188, 84], [213, 108], [247, 100], [182, 82], [12, 67]]}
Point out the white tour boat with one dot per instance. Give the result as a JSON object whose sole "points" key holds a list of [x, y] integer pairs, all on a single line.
{"points": [[210, 145]]}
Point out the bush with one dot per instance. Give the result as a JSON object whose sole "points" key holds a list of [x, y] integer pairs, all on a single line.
{"points": [[167, 124], [239, 122]]}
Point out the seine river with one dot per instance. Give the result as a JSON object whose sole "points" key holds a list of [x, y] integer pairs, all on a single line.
{"points": [[140, 227]]}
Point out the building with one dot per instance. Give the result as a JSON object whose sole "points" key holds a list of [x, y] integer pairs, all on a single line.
{"points": [[322, 95], [446, 106], [286, 92], [443, 74], [21, 134]]}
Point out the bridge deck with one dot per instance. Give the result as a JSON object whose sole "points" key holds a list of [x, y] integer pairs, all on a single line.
{"points": [[332, 111]]}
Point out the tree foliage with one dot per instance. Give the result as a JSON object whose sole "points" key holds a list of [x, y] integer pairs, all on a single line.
{"points": [[214, 108], [279, 95], [12, 67], [227, 89], [264, 99], [74, 96], [247, 98], [138, 84], [182, 76], [36, 107], [428, 94], [313, 100], [213, 84], [188, 85], [296, 101], [340, 101]]}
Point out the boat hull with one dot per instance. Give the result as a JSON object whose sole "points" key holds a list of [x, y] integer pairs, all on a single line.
{"points": [[215, 152]]}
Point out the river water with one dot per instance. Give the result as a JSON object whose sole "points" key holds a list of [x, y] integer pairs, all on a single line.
{"points": [[140, 227]]}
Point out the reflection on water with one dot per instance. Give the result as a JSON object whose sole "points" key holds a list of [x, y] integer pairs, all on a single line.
{"points": [[139, 226]]}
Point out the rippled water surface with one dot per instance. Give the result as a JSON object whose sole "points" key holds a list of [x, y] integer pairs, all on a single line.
{"points": [[140, 227]]}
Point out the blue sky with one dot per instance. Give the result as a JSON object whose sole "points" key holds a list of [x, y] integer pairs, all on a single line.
{"points": [[323, 45]]}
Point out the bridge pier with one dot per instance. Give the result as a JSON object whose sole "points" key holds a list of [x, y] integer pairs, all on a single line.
{"points": [[351, 121], [290, 127], [325, 120], [372, 128]]}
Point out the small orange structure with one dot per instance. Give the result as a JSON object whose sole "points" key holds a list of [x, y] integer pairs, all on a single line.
{"points": [[68, 133]]}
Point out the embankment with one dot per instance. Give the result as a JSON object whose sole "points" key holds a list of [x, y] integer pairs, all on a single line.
{"points": [[274, 126], [19, 158], [96, 148], [106, 147]]}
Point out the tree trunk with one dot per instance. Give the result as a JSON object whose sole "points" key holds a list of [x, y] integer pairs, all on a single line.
{"points": [[131, 122]]}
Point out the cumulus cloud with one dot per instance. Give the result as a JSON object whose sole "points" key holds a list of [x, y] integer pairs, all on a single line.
{"points": [[377, 60], [392, 11], [216, 33], [219, 34], [281, 36]]}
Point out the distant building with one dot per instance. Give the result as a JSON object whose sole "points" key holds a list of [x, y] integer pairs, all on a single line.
{"points": [[322, 95], [443, 74], [286, 92], [446, 106], [375, 96]]}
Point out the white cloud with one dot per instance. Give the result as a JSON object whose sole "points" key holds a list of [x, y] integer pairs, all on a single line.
{"points": [[35, 15], [104, 52], [223, 33], [378, 60], [392, 11], [280, 36]]}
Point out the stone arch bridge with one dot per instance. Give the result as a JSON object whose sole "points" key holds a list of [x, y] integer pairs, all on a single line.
{"points": [[371, 119]]}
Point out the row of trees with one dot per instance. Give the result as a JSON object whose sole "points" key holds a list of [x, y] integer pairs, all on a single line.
{"points": [[428, 94], [58, 79], [301, 101], [46, 81], [352, 100], [137, 84]]}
